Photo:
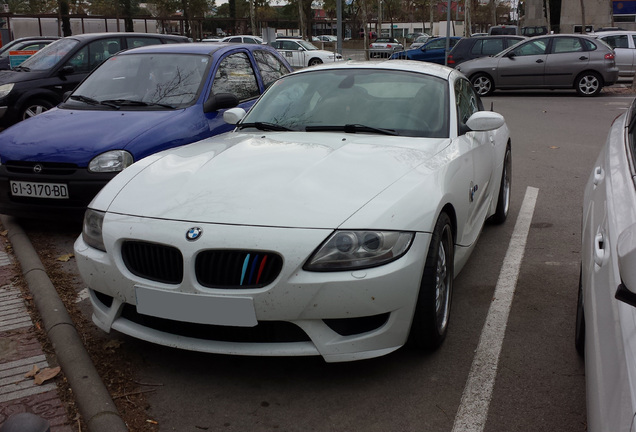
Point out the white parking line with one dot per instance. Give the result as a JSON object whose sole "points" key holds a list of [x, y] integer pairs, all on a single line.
{"points": [[473, 409]]}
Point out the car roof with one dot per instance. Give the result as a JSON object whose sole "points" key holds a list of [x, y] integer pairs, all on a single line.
{"points": [[613, 33], [90, 36], [193, 48], [505, 36], [427, 68], [29, 38]]}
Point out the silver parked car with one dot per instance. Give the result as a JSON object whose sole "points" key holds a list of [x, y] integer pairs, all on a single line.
{"points": [[624, 44], [546, 62], [606, 311], [419, 41], [384, 47]]}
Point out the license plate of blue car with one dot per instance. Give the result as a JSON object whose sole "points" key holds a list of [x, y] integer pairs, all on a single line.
{"points": [[39, 190]]}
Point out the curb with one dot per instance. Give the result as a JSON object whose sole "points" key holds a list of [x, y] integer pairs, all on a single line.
{"points": [[93, 399]]}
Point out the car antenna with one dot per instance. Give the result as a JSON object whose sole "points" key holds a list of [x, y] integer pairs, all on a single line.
{"points": [[492, 106]]}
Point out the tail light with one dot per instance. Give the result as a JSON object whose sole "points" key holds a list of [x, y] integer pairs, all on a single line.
{"points": [[609, 56], [450, 60]]}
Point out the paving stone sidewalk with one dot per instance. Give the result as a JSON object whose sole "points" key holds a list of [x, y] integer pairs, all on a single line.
{"points": [[19, 351]]}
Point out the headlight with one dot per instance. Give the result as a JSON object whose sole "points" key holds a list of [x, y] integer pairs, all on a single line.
{"points": [[92, 229], [350, 250], [5, 89], [111, 161]]}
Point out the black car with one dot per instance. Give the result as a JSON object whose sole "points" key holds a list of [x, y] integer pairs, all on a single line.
{"points": [[40, 82], [31, 43], [480, 46]]}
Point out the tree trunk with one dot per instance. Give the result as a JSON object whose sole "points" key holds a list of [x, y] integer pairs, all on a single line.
{"points": [[253, 17], [583, 17], [467, 24]]}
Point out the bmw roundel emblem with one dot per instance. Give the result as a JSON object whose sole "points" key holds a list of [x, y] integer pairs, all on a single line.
{"points": [[194, 233]]}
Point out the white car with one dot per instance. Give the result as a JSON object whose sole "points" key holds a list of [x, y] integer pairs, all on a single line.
{"points": [[330, 222], [606, 312], [624, 44], [300, 53], [243, 39]]}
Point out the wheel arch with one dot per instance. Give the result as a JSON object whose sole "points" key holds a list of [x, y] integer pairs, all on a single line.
{"points": [[51, 97], [587, 71], [449, 209]]}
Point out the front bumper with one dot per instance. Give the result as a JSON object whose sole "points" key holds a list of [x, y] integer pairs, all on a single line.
{"points": [[342, 316], [82, 188]]}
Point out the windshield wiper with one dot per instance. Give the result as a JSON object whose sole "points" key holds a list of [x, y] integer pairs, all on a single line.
{"points": [[85, 99], [22, 68], [264, 126], [118, 103], [351, 128]]}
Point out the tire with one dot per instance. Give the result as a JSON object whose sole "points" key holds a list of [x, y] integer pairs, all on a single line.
{"points": [[483, 84], [34, 107], [579, 330], [315, 61], [588, 84], [432, 310], [503, 199]]}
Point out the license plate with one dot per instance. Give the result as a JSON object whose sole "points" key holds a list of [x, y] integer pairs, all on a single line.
{"points": [[39, 190], [196, 308]]}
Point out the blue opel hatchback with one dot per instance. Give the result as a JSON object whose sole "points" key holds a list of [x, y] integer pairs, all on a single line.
{"points": [[136, 103], [433, 51]]}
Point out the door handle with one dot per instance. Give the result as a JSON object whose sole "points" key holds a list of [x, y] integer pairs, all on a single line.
{"points": [[539, 61], [599, 176], [599, 250], [582, 58]]}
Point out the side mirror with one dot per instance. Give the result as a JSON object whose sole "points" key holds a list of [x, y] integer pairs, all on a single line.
{"points": [[626, 250], [220, 101], [233, 115], [66, 95], [511, 55], [67, 70], [485, 121]]}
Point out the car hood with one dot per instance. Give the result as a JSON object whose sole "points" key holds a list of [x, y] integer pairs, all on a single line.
{"points": [[77, 136], [291, 179], [11, 76]]}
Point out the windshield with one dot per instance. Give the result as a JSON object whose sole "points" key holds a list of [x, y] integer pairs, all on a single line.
{"points": [[49, 56], [134, 80], [409, 104], [307, 45]]}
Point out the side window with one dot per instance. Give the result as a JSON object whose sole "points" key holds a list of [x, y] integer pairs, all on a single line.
{"points": [[134, 42], [477, 47], [290, 45], [492, 46], [437, 44], [91, 55], [618, 41], [235, 75], [466, 102], [531, 48], [566, 45], [270, 66], [80, 60], [634, 39]]}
